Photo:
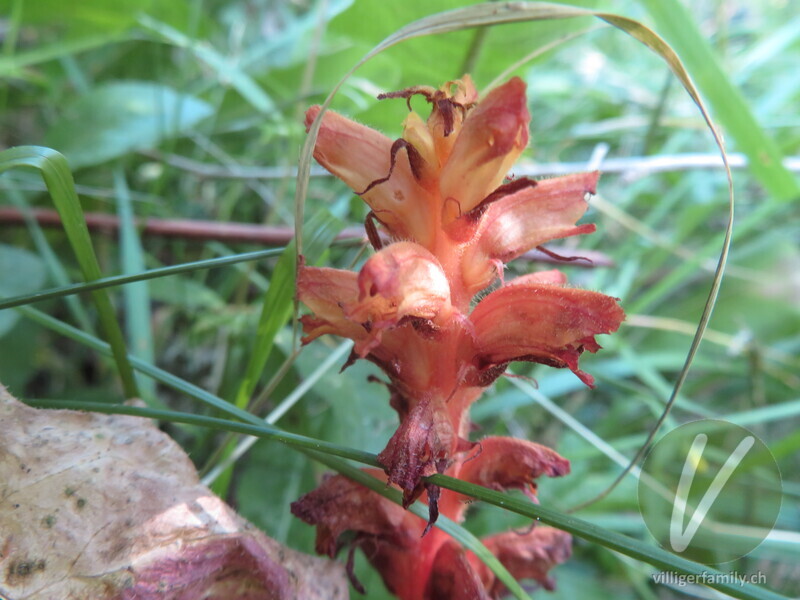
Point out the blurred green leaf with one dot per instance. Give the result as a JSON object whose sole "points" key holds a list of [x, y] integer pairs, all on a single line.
{"points": [[727, 103], [227, 69], [577, 580], [79, 17], [269, 505], [62, 29], [21, 272], [290, 45], [357, 410], [121, 117], [185, 293], [20, 360], [94, 16]]}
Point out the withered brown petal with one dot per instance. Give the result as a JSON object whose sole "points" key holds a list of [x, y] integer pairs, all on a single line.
{"points": [[388, 535], [421, 446], [504, 463], [528, 555], [452, 576], [340, 505]]}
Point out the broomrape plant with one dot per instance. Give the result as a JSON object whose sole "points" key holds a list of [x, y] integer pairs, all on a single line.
{"points": [[438, 196]]}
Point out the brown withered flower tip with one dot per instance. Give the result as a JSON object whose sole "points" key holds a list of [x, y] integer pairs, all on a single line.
{"points": [[438, 194]]}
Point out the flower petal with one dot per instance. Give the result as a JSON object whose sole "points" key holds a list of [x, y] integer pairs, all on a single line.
{"points": [[359, 156], [526, 556], [503, 463], [416, 133], [325, 291], [450, 104], [492, 137], [388, 535], [552, 277], [448, 113], [402, 280], [340, 505], [401, 283], [541, 323], [523, 220], [452, 576]]}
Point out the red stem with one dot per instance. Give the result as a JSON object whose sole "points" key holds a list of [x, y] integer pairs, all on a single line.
{"points": [[268, 235]]}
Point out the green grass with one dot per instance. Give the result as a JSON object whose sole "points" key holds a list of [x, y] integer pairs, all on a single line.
{"points": [[120, 90]]}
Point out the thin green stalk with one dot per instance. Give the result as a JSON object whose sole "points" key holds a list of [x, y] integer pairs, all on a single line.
{"points": [[77, 288], [473, 52], [256, 428], [615, 541]]}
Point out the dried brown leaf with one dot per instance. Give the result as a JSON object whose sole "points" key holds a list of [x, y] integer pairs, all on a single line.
{"points": [[108, 507]]}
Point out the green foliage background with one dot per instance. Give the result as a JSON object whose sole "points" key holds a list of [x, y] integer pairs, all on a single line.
{"points": [[173, 110]]}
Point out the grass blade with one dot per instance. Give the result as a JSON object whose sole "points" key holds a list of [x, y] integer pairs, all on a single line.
{"points": [[58, 179], [15, 65], [105, 282], [232, 454], [136, 295], [610, 539], [257, 428]]}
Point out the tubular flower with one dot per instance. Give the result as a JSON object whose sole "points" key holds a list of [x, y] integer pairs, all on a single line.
{"points": [[439, 196]]}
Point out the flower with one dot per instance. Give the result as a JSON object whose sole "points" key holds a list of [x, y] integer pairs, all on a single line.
{"points": [[438, 193]]}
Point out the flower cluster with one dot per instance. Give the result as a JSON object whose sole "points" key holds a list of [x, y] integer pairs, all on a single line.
{"points": [[440, 199]]}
